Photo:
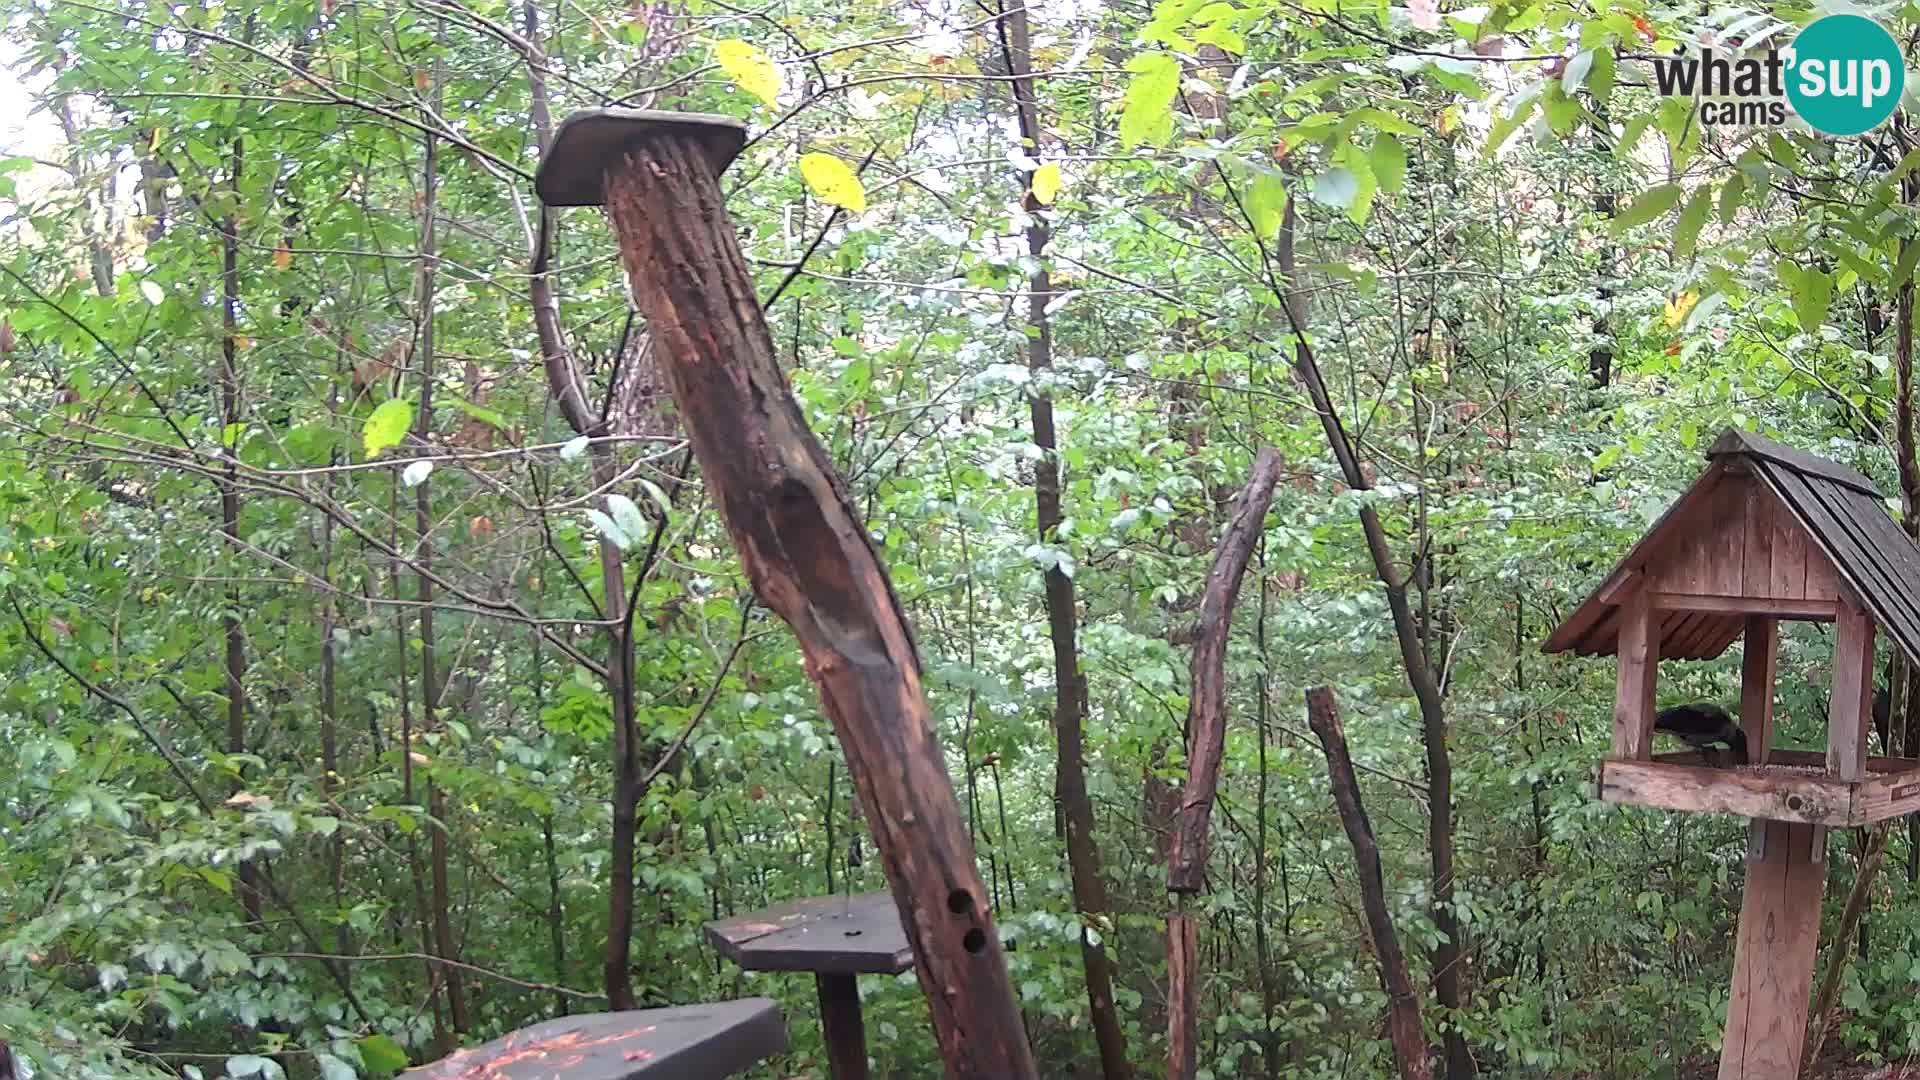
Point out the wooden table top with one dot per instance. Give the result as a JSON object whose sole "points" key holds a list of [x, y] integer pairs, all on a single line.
{"points": [[710, 1040], [858, 934]]}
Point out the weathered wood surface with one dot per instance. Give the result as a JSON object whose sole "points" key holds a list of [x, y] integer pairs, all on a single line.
{"points": [[1782, 796], [1709, 782], [812, 562], [1765, 530], [1758, 660], [1635, 680], [1206, 704], [1773, 959], [716, 1040], [1403, 1006], [858, 934], [1850, 706]]}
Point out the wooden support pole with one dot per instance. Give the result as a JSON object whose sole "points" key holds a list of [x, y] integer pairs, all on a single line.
{"points": [[1639, 669], [1851, 704], [1773, 960], [844, 1029], [803, 545], [1757, 662]]}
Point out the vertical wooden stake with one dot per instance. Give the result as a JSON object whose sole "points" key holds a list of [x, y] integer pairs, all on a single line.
{"points": [[1852, 700], [803, 545], [1756, 685], [1773, 961], [1639, 669]]}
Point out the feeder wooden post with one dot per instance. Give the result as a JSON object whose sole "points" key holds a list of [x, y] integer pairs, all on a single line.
{"points": [[1851, 701], [802, 543], [1639, 668], [1773, 960], [1757, 663]]}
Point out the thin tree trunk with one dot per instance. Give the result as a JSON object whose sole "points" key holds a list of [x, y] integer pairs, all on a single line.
{"points": [[1403, 1006], [1070, 686], [1420, 675], [423, 560], [231, 631], [1262, 955]]}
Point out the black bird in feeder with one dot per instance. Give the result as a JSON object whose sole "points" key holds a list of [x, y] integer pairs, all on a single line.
{"points": [[1702, 725]]}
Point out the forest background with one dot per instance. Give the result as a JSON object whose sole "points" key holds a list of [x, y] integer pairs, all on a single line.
{"points": [[378, 678]]}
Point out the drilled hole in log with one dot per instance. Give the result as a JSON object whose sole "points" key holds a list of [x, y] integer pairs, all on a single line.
{"points": [[959, 901], [1796, 803], [975, 940]]}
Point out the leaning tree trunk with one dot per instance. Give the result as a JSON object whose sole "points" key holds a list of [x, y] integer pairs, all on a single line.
{"points": [[1206, 742], [1403, 1006], [812, 562]]}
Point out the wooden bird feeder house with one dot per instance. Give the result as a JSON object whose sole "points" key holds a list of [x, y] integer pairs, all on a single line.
{"points": [[1766, 533]]}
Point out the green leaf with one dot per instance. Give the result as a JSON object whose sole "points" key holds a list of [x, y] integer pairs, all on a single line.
{"points": [[1600, 79], [1902, 270], [628, 517], [1692, 218], [1267, 203], [1389, 161], [1703, 309], [1732, 196], [382, 1055], [658, 496], [253, 1065], [1648, 206], [388, 425], [574, 448], [1811, 291], [610, 529], [1146, 113], [1578, 68], [1336, 188], [332, 1068]]}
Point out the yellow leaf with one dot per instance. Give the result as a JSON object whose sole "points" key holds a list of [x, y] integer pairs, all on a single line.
{"points": [[1046, 184], [750, 69], [830, 179], [1678, 307], [282, 257]]}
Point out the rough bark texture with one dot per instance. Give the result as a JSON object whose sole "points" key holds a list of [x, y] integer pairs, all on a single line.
{"points": [[1206, 704], [1183, 997], [1403, 1008], [812, 562]]}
